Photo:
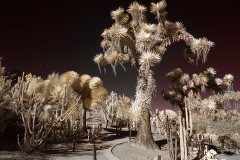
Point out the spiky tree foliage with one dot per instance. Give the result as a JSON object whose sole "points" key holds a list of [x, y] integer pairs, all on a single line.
{"points": [[132, 39], [98, 93], [182, 86], [222, 106], [229, 99], [185, 90], [92, 92]]}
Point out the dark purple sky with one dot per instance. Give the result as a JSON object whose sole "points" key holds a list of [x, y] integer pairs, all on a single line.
{"points": [[56, 36]]}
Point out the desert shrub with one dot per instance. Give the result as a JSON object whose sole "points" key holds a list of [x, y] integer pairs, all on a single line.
{"points": [[5, 85], [41, 105]]}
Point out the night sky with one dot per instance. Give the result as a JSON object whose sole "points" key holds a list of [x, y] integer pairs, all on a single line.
{"points": [[43, 37]]}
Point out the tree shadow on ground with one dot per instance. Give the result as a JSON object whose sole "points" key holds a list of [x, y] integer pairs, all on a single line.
{"points": [[161, 143], [64, 148], [110, 134], [8, 142], [84, 145], [67, 148], [8, 146]]}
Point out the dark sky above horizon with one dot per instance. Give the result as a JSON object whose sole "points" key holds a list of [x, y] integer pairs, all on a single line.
{"points": [[57, 36]]}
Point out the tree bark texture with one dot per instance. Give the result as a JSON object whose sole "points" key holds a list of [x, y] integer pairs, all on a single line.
{"points": [[144, 138], [144, 93], [84, 120]]}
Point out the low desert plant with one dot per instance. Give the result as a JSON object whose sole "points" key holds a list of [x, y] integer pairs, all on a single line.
{"points": [[38, 113]]}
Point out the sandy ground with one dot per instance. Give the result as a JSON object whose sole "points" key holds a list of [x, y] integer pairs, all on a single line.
{"points": [[125, 151]]}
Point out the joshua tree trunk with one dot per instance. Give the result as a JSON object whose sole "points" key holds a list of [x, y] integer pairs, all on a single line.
{"points": [[130, 134], [144, 138], [84, 120], [144, 93]]}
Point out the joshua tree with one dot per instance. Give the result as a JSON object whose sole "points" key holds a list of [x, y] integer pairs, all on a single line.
{"points": [[143, 44], [185, 93], [225, 106], [92, 92], [183, 86]]}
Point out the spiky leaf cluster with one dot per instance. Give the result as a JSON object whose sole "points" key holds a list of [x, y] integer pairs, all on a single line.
{"points": [[182, 85], [90, 89], [229, 99], [132, 38]]}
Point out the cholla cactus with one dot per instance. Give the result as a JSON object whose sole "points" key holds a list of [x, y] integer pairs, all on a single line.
{"points": [[110, 108], [132, 39], [68, 77], [47, 114], [95, 82], [117, 110], [38, 112], [33, 83]]}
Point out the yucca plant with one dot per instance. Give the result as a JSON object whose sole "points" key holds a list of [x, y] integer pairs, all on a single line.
{"points": [[133, 39]]}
